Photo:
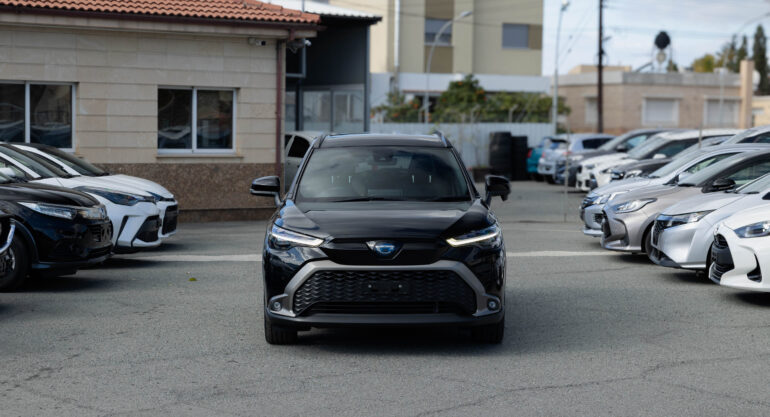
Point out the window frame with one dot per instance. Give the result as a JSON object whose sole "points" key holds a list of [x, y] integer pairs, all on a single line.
{"points": [[28, 113], [194, 123]]}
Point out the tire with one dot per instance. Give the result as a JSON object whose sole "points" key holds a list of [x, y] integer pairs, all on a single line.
{"points": [[489, 333], [277, 335], [549, 179], [14, 266]]}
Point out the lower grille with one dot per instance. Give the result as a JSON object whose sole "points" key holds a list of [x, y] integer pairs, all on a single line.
{"points": [[598, 218], [721, 258], [657, 229], [384, 308], [606, 227], [149, 230], [384, 289], [169, 220]]}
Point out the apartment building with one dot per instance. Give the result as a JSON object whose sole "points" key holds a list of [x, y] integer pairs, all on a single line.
{"points": [[499, 42]]}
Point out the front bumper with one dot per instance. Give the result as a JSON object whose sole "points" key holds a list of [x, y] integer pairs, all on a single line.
{"points": [[740, 263], [545, 168], [623, 232], [685, 246], [582, 178], [592, 220], [136, 226], [169, 212], [281, 308]]}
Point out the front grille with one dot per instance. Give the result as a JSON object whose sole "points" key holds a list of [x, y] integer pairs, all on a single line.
{"points": [[101, 232], [383, 308], [169, 220], [382, 288], [720, 249], [598, 218]]}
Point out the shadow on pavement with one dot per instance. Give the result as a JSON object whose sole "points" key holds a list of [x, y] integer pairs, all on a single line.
{"points": [[120, 263], [640, 259], [66, 284], [687, 277], [759, 299]]}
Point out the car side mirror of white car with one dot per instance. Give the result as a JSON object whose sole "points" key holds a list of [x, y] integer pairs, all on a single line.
{"points": [[267, 187], [682, 175], [659, 156]]}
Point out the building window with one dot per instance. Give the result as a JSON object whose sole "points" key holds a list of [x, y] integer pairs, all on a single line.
{"points": [[592, 114], [37, 113], [336, 109], [515, 36], [432, 26], [724, 114], [209, 110], [660, 112]]}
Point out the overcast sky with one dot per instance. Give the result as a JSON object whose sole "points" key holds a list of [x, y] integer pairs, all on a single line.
{"points": [[696, 27]]}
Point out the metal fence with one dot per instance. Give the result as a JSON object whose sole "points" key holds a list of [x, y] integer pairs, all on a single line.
{"points": [[470, 139]]}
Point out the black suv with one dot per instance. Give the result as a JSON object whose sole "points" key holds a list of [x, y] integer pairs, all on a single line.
{"points": [[383, 230]]}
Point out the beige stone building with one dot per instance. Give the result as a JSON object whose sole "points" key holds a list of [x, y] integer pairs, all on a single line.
{"points": [[500, 43], [634, 100], [184, 93]]}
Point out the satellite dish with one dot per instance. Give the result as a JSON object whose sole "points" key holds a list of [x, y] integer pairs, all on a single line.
{"points": [[662, 40]]}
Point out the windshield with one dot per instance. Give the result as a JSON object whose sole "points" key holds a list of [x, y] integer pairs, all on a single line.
{"points": [[706, 174], [81, 166], [648, 146], [631, 139], [383, 173], [692, 164], [756, 186], [41, 168]]}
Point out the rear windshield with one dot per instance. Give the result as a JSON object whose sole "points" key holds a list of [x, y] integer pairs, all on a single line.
{"points": [[383, 173]]}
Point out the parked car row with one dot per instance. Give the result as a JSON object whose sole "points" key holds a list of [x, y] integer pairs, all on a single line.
{"points": [[65, 213], [707, 209]]}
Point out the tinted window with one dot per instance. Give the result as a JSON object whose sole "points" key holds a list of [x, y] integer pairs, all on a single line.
{"points": [[707, 162], [594, 143], [761, 138], [751, 172], [672, 148], [636, 140], [383, 173], [299, 147]]}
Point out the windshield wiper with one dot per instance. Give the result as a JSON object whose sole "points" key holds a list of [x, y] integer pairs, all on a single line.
{"points": [[349, 200]]}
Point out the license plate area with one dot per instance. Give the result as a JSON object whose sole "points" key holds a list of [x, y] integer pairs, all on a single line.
{"points": [[386, 287]]}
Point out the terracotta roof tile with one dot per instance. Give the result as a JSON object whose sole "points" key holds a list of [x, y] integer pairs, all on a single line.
{"points": [[248, 10]]}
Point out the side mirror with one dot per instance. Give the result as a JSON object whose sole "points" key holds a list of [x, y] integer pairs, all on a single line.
{"points": [[719, 184], [682, 175], [267, 187], [622, 148], [659, 156], [496, 186]]}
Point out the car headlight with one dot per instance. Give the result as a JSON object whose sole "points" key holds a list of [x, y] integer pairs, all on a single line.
{"points": [[590, 166], [633, 205], [283, 238], [754, 230], [684, 218], [633, 173], [124, 199], [603, 199], [489, 236], [67, 212], [577, 158]]}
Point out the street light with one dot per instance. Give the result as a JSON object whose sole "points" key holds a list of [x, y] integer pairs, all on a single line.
{"points": [[425, 105], [555, 100]]}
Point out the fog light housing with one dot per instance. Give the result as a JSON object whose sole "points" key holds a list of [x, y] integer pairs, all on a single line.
{"points": [[276, 306], [493, 305]]}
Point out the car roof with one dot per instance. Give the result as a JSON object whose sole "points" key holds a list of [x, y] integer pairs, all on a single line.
{"points": [[380, 139], [690, 133], [583, 136]]}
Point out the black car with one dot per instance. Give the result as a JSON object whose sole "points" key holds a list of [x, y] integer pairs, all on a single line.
{"points": [[57, 230], [638, 168], [383, 230]]}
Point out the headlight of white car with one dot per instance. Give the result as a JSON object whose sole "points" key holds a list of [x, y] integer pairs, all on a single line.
{"points": [[754, 230], [633, 205], [684, 218], [284, 239], [489, 236], [607, 197]]}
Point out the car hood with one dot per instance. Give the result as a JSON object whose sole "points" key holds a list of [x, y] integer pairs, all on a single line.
{"points": [[653, 191], [94, 182], [745, 217], [603, 158], [625, 185], [139, 183], [43, 193], [703, 202], [384, 220]]}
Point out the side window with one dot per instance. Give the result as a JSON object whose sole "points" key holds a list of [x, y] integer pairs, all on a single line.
{"points": [[750, 173], [634, 141], [299, 147], [593, 143], [706, 162], [674, 148], [761, 138], [286, 139]]}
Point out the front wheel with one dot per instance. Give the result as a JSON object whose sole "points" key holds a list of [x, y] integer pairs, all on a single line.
{"points": [[14, 266], [489, 333]]}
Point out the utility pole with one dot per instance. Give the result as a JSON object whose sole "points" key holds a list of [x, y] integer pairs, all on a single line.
{"points": [[600, 71]]}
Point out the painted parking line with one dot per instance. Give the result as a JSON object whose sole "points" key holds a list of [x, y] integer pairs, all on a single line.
{"points": [[253, 257], [557, 254]]}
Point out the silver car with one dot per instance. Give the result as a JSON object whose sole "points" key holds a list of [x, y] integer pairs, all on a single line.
{"points": [[628, 218], [593, 205], [682, 234]]}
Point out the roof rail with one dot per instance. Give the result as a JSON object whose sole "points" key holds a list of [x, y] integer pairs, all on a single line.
{"points": [[443, 138]]}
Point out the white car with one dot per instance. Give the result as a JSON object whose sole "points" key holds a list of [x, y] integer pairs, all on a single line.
{"points": [[134, 215], [167, 204], [740, 252], [682, 234], [596, 172], [593, 205]]}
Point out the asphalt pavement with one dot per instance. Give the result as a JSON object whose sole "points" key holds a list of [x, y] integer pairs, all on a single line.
{"points": [[178, 331]]}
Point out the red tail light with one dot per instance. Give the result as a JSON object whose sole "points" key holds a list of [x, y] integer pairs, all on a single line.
{"points": [[529, 153]]}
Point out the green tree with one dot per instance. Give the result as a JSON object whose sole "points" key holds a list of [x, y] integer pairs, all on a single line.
{"points": [[706, 63], [462, 101], [742, 53], [760, 60], [726, 56], [398, 109]]}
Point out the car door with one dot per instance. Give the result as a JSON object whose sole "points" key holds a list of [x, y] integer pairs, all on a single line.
{"points": [[297, 147]]}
